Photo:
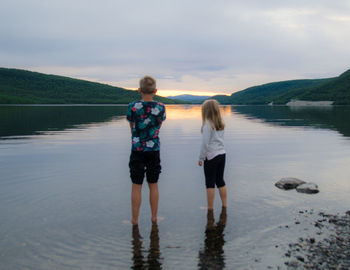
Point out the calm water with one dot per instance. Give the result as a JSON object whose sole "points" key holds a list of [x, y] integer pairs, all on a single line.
{"points": [[65, 188]]}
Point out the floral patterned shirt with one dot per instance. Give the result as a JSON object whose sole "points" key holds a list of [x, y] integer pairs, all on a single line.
{"points": [[147, 117]]}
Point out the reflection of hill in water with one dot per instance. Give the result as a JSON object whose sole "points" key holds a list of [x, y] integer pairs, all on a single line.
{"points": [[30, 120], [334, 117]]}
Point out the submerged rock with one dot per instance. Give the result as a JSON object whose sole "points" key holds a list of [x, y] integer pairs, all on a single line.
{"points": [[300, 185], [309, 188], [289, 183]]}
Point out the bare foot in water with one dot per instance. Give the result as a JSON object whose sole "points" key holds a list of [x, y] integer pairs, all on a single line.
{"points": [[158, 219], [134, 222], [125, 221]]}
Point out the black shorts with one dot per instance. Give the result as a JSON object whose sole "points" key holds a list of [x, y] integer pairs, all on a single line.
{"points": [[144, 162], [214, 171]]}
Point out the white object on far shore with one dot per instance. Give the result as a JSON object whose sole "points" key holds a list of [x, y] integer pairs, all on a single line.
{"points": [[295, 102]]}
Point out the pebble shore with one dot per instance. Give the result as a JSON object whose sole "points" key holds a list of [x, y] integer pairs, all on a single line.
{"points": [[332, 251]]}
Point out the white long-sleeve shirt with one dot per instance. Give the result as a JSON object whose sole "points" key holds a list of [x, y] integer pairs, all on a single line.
{"points": [[212, 143]]}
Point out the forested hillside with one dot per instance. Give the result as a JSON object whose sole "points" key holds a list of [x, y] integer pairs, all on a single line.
{"points": [[27, 87], [264, 94], [335, 89]]}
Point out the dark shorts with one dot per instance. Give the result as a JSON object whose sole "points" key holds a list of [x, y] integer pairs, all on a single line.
{"points": [[144, 162], [214, 171]]}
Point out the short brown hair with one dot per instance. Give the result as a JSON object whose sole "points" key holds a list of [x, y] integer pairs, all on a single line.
{"points": [[148, 85]]}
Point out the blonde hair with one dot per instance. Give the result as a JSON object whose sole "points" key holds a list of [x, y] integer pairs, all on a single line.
{"points": [[211, 114], [148, 85]]}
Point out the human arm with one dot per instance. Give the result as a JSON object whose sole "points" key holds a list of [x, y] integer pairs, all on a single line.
{"points": [[130, 116], [162, 115], [204, 144]]}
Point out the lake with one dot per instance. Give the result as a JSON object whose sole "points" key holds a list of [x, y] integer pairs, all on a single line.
{"points": [[65, 187]]}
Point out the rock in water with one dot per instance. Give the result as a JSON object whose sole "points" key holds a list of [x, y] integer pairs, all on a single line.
{"points": [[309, 188], [289, 183]]}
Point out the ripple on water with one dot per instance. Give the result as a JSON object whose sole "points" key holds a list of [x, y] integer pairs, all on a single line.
{"points": [[59, 249]]}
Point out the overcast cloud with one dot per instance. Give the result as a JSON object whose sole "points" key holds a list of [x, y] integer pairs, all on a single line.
{"points": [[201, 45]]}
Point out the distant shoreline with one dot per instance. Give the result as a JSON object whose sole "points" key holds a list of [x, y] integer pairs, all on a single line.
{"points": [[309, 103], [66, 104], [182, 104], [83, 104]]}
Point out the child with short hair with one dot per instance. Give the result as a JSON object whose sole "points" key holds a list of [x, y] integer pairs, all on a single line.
{"points": [[145, 118], [212, 151]]}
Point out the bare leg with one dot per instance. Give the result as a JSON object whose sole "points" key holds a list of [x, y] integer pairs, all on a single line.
{"points": [[223, 196], [210, 198], [153, 200], [135, 202]]}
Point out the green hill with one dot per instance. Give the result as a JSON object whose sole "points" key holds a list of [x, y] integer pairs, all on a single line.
{"points": [[27, 87], [264, 94], [336, 89], [331, 89]]}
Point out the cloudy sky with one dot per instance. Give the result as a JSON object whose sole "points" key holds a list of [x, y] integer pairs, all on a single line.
{"points": [[198, 46]]}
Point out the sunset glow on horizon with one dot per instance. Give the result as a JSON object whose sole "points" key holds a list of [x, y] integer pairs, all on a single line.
{"points": [[167, 93], [221, 48], [191, 111]]}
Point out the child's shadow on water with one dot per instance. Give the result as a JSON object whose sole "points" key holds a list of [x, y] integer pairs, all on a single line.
{"points": [[153, 260], [212, 255]]}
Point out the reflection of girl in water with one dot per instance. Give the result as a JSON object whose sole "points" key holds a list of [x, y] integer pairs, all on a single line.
{"points": [[212, 255], [212, 151], [153, 260]]}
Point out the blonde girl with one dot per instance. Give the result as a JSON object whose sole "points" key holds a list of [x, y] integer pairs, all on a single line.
{"points": [[212, 152]]}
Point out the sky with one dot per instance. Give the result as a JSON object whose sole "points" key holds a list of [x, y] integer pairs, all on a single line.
{"points": [[202, 47]]}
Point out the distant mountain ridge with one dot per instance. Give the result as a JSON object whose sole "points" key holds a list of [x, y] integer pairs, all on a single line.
{"points": [[27, 87], [335, 89], [190, 98]]}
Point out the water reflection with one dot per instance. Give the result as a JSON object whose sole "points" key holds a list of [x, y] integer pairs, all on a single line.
{"points": [[334, 117], [138, 258], [153, 260], [32, 120], [190, 111], [212, 255], [49, 186], [17, 121]]}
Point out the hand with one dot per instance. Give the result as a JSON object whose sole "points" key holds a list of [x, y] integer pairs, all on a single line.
{"points": [[200, 163]]}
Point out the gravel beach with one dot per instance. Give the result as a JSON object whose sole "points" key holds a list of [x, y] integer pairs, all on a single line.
{"points": [[329, 249]]}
